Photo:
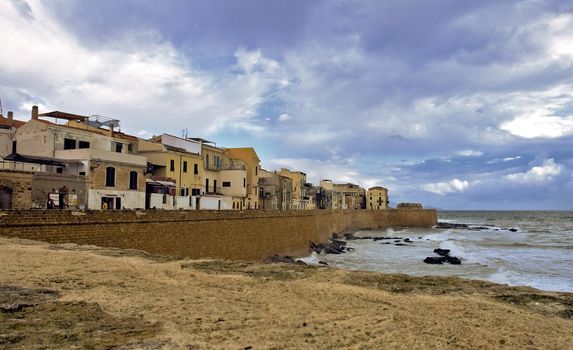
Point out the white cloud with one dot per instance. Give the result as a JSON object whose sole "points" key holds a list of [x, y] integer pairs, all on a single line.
{"points": [[283, 117], [140, 78], [470, 153], [537, 174], [538, 125], [443, 188]]}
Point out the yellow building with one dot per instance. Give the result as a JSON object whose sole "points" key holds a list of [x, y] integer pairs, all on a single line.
{"points": [[226, 178], [174, 163], [377, 198], [249, 156], [298, 197]]}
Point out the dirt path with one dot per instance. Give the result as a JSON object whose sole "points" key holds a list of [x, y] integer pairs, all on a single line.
{"points": [[69, 296]]}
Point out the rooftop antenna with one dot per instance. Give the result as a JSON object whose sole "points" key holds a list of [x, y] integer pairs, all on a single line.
{"points": [[1, 111], [185, 133]]}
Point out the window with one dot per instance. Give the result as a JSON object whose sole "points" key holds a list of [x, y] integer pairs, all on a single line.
{"points": [[207, 160], [13, 147], [256, 170], [110, 176], [226, 183], [82, 173], [185, 166], [172, 165], [183, 191], [69, 144], [119, 147], [133, 180], [84, 144], [195, 191], [215, 186], [206, 185], [195, 169], [244, 182], [59, 170]]}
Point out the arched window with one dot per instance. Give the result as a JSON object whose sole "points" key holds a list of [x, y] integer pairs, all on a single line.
{"points": [[133, 180], [110, 176]]}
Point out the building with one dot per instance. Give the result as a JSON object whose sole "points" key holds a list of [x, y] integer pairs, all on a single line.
{"points": [[377, 198], [175, 172], [226, 178], [350, 196], [325, 196], [8, 126], [105, 158], [275, 191], [251, 160], [299, 198]]}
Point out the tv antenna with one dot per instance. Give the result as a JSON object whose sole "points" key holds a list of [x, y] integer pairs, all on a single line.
{"points": [[1, 111]]}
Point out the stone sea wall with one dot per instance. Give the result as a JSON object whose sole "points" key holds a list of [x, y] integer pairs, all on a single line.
{"points": [[236, 235]]}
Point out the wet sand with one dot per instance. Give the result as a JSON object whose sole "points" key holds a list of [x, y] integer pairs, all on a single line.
{"points": [[70, 296]]}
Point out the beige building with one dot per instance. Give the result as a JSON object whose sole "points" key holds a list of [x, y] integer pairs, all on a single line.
{"points": [[226, 179], [349, 196], [299, 198], [251, 160], [81, 147], [275, 191], [377, 198]]}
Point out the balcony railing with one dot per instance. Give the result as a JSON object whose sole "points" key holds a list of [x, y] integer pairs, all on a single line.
{"points": [[213, 167]]}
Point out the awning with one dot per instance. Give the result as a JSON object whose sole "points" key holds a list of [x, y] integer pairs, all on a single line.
{"points": [[15, 157]]}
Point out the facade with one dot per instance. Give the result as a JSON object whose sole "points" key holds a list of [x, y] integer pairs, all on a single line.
{"points": [[275, 191], [299, 198], [225, 184], [8, 127], [175, 172], [251, 160], [377, 198], [325, 196], [107, 159], [350, 196]]}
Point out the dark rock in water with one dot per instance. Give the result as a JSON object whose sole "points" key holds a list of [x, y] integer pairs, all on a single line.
{"points": [[478, 228], [450, 225], [397, 240], [328, 248], [453, 260], [323, 263], [442, 252], [338, 242], [386, 243], [419, 237], [513, 229], [435, 260], [282, 259], [407, 240], [400, 244]]}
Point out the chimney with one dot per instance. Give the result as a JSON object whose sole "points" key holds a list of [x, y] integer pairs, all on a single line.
{"points": [[10, 118], [111, 131], [35, 112]]}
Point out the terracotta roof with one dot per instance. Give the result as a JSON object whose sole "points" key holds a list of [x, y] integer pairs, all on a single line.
{"points": [[15, 123]]}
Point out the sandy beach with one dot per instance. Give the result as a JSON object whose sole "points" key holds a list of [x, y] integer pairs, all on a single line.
{"points": [[70, 296]]}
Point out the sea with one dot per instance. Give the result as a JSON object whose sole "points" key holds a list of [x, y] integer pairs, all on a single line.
{"points": [[517, 248]]}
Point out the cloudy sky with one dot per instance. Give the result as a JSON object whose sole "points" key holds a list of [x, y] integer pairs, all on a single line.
{"points": [[455, 104]]}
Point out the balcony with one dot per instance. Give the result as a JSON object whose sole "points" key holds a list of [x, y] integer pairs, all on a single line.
{"points": [[213, 167]]}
